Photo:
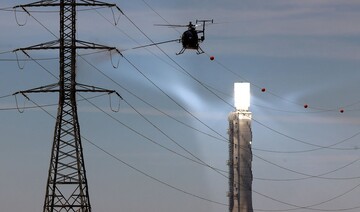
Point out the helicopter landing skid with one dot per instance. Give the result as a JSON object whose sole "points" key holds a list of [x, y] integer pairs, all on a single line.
{"points": [[181, 51], [198, 51]]}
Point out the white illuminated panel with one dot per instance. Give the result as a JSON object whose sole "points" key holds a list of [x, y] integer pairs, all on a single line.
{"points": [[242, 95]]}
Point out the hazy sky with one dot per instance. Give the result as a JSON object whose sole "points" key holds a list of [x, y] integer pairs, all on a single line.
{"points": [[301, 51]]}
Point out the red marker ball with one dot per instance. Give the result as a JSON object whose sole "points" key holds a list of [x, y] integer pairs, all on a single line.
{"points": [[306, 106], [263, 89], [342, 111], [212, 58]]}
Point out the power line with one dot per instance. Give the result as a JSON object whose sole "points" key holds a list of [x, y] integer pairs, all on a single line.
{"points": [[5, 96], [312, 176], [297, 207], [308, 143], [148, 5], [6, 52]]}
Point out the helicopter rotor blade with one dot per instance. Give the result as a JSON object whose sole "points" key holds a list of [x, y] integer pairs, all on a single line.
{"points": [[171, 25], [205, 21], [154, 44]]}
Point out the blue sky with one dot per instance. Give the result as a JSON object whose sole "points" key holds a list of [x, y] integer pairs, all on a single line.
{"points": [[301, 51]]}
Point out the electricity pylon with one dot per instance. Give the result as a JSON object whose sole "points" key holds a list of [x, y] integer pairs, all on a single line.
{"points": [[67, 186]]}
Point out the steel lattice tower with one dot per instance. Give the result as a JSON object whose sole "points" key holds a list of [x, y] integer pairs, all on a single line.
{"points": [[67, 186]]}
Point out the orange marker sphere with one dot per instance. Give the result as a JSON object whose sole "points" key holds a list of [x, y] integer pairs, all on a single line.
{"points": [[212, 58], [263, 89], [341, 110], [306, 106]]}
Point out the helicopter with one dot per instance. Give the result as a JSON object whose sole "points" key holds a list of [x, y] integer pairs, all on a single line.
{"points": [[190, 39]]}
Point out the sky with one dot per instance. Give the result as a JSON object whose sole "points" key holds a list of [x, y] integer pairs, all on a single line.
{"points": [[303, 52]]}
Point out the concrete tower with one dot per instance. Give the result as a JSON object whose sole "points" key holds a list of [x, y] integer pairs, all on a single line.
{"points": [[240, 155]]}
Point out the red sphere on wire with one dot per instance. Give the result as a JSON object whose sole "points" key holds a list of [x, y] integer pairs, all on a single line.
{"points": [[263, 89], [342, 111], [212, 57], [306, 106]]}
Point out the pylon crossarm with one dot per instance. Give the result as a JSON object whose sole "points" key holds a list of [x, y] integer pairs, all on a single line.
{"points": [[90, 45], [90, 88], [48, 3], [41, 46], [94, 3], [38, 4], [55, 45], [41, 89], [51, 3]]}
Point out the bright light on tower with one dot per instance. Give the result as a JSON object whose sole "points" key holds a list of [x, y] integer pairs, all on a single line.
{"points": [[242, 95]]}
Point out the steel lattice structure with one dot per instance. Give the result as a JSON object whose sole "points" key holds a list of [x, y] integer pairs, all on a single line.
{"points": [[67, 186]]}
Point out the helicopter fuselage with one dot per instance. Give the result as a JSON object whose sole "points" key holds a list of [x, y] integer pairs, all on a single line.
{"points": [[190, 39]]}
